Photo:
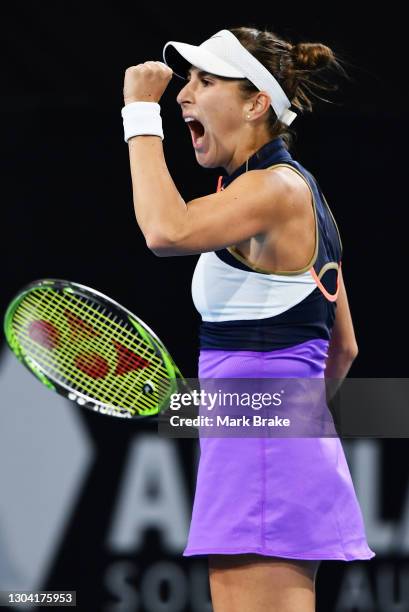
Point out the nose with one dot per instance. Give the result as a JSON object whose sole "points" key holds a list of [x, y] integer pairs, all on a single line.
{"points": [[185, 94]]}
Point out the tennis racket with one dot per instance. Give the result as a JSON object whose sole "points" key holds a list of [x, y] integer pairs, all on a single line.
{"points": [[83, 345]]}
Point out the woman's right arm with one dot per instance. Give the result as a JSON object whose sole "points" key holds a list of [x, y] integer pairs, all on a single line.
{"points": [[343, 347]]}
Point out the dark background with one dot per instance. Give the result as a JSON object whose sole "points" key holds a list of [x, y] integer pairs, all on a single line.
{"points": [[67, 213]]}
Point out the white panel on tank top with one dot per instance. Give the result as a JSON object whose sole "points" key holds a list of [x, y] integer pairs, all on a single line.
{"points": [[221, 292]]}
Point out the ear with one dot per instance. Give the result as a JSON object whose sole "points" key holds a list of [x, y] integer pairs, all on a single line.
{"points": [[260, 105]]}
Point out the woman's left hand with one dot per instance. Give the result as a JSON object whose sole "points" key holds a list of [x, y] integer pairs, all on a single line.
{"points": [[146, 82]]}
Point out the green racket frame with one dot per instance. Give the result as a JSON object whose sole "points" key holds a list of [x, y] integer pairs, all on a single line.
{"points": [[170, 382]]}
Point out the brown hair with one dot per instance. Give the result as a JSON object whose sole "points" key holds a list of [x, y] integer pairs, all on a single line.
{"points": [[295, 66]]}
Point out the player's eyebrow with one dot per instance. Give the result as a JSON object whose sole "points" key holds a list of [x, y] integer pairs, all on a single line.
{"points": [[200, 73]]}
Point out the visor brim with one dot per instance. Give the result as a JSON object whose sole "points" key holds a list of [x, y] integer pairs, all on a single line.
{"points": [[180, 56]]}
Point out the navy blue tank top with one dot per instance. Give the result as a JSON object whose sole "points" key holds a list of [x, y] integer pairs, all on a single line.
{"points": [[244, 307]]}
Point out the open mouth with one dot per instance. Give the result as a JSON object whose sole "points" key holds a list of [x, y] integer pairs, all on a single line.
{"points": [[197, 131]]}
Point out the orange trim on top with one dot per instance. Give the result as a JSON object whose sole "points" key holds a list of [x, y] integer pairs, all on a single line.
{"points": [[329, 296]]}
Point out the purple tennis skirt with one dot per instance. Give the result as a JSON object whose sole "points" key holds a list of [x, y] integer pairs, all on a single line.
{"points": [[281, 497]]}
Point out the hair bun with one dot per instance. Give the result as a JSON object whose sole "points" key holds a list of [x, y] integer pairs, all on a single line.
{"points": [[312, 56]]}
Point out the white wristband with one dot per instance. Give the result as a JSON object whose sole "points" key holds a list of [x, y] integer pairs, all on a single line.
{"points": [[142, 119]]}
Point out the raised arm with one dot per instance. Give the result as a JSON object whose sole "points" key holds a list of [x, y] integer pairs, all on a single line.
{"points": [[249, 206]]}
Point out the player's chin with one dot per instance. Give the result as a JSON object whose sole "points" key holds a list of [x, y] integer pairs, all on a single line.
{"points": [[206, 162]]}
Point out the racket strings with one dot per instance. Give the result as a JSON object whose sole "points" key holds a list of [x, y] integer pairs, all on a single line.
{"points": [[112, 389], [69, 347], [76, 376], [77, 380]]}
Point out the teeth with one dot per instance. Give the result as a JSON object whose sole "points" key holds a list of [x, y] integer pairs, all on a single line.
{"points": [[187, 119]]}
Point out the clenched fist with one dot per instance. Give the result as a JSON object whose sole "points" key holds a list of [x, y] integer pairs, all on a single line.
{"points": [[146, 82]]}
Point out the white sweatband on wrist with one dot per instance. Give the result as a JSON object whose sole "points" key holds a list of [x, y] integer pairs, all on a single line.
{"points": [[142, 119]]}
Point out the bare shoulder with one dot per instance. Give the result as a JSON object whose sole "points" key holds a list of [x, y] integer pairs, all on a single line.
{"points": [[257, 191], [276, 177], [293, 191], [291, 179], [271, 188], [288, 242]]}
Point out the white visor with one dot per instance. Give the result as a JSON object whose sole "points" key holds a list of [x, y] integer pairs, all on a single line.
{"points": [[224, 55]]}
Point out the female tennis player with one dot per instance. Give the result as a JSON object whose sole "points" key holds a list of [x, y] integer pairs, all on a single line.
{"points": [[269, 287]]}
